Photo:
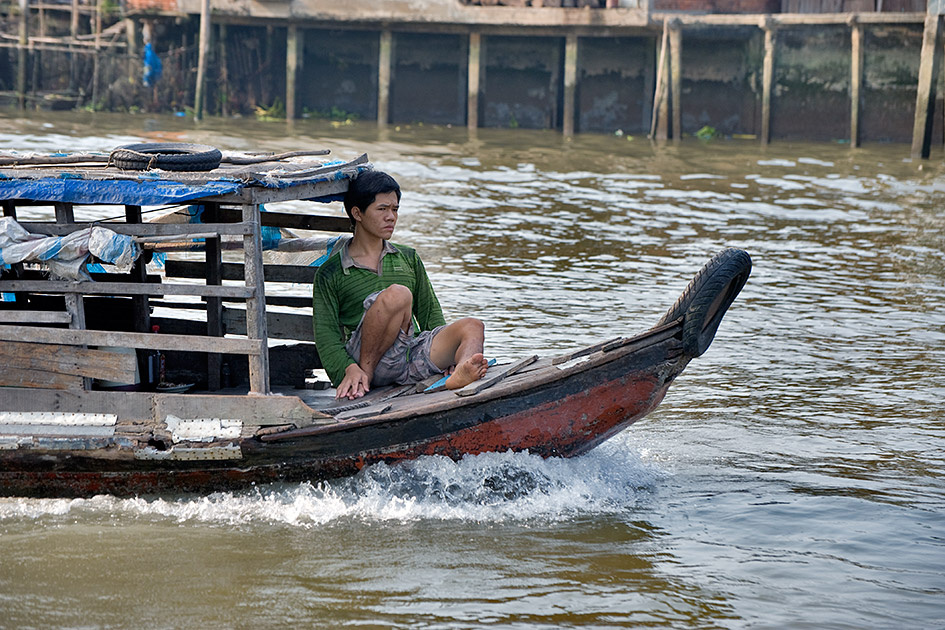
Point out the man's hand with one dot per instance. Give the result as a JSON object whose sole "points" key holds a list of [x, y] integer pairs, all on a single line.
{"points": [[355, 384]]}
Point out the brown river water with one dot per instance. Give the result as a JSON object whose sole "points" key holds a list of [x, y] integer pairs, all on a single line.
{"points": [[794, 476]]}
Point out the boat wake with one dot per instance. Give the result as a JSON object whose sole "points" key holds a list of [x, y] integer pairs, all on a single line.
{"points": [[491, 487]]}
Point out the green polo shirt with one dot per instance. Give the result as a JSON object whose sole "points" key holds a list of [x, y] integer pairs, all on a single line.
{"points": [[338, 295]]}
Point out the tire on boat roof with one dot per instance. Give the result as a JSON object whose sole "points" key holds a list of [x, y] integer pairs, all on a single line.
{"points": [[708, 296], [169, 156]]}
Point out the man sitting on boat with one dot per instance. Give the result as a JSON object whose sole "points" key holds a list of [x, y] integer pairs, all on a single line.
{"points": [[377, 320]]}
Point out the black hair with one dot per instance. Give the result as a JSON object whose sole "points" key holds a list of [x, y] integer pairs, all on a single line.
{"points": [[364, 188]]}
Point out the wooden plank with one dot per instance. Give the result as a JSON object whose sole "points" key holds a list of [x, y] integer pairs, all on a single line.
{"points": [[184, 343], [318, 223], [184, 230], [929, 67], [472, 80], [35, 317], [856, 81], [16, 377], [122, 288], [234, 271], [491, 379], [70, 360], [280, 325]]}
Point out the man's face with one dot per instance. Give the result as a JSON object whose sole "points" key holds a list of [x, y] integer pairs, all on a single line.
{"points": [[379, 218]]}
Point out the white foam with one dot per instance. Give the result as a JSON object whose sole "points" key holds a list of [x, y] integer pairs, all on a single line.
{"points": [[492, 487]]}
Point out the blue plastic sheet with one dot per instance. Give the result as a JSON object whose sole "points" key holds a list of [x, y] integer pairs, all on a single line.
{"points": [[144, 192], [152, 66]]}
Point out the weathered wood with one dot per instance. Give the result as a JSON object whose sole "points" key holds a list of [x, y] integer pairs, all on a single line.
{"points": [[473, 76], [767, 83], [320, 223], [856, 81], [280, 325], [234, 271], [214, 276], [16, 377], [69, 360], [659, 92], [64, 212], [35, 317], [570, 84], [293, 57], [183, 230], [184, 343], [203, 51], [255, 305], [491, 379], [675, 78], [384, 62], [122, 288], [139, 274], [929, 67]]}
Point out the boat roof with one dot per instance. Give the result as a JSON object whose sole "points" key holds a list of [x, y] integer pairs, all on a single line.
{"points": [[95, 180]]}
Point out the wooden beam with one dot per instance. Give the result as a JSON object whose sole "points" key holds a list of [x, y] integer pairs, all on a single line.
{"points": [[234, 271], [149, 341], [570, 84], [384, 62], [929, 67], [856, 81], [767, 81], [472, 80], [184, 230], [203, 51], [122, 288], [256, 305], [675, 75], [70, 360]]}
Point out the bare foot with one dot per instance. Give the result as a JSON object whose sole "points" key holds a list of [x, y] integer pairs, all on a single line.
{"points": [[469, 371]]}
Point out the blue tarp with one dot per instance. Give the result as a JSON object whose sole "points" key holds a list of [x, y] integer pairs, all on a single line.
{"points": [[146, 192]]}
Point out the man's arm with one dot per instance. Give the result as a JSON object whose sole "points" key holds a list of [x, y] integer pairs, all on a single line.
{"points": [[329, 335], [426, 306]]}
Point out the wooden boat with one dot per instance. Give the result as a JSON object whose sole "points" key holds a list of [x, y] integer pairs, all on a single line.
{"points": [[93, 401]]}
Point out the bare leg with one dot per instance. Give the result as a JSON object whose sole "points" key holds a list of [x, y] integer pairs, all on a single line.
{"points": [[460, 344], [389, 314]]}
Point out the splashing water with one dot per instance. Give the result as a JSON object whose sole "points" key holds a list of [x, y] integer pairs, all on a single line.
{"points": [[491, 487]]}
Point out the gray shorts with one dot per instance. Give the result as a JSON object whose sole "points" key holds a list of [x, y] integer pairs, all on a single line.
{"points": [[406, 361]]}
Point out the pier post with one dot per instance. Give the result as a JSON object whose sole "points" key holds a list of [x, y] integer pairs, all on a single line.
{"points": [[570, 83], [256, 305], [294, 40], [771, 42], [660, 93], [929, 66], [472, 80], [856, 80], [385, 54], [224, 72], [23, 42], [675, 61], [203, 49]]}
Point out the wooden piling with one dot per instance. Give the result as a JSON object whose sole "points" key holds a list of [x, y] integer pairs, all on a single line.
{"points": [[659, 123], [224, 72], [473, 74], [385, 55], [23, 41], [292, 56], [929, 66], [771, 43], [202, 51], [570, 83], [256, 305], [856, 81], [675, 74]]}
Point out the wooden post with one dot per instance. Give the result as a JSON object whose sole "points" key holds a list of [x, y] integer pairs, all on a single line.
{"points": [[73, 32], [139, 273], [771, 42], [675, 57], [256, 305], [131, 36], [649, 84], [856, 81], [384, 58], [659, 90], [202, 50], [95, 58], [570, 83], [293, 48], [214, 276], [21, 53], [224, 72], [925, 94], [473, 75]]}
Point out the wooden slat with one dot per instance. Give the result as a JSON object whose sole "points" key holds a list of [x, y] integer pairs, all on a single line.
{"points": [[184, 343], [320, 223], [185, 230], [35, 317], [234, 271], [491, 379], [123, 288], [15, 377], [69, 360], [281, 325]]}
